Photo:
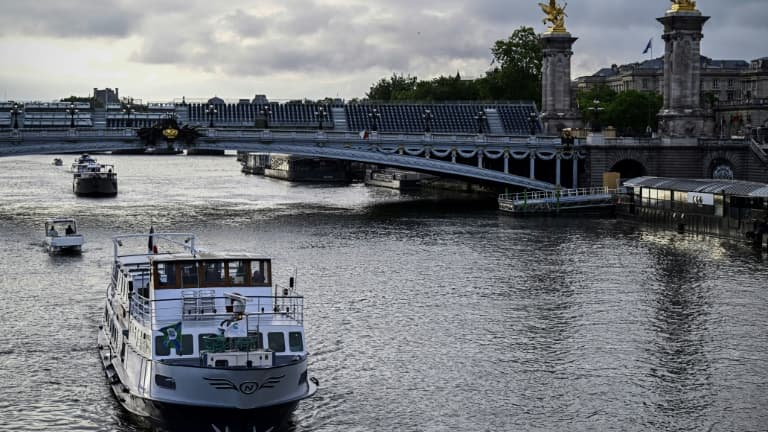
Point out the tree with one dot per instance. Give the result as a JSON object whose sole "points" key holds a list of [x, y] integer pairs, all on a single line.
{"points": [[630, 112], [397, 87], [517, 74]]}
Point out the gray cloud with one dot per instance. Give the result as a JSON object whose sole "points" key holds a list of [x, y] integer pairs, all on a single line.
{"points": [[335, 38], [104, 18]]}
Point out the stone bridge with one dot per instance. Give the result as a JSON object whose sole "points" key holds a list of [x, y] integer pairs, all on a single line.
{"points": [[501, 160]]}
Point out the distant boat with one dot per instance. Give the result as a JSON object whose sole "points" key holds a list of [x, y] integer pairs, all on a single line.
{"points": [[61, 235], [81, 162], [58, 161]]}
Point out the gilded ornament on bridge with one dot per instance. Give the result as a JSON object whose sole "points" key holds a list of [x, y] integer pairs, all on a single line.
{"points": [[555, 14], [170, 133], [683, 5]]}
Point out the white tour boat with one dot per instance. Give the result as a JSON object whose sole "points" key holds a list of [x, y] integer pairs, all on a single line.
{"points": [[61, 235], [95, 180], [188, 333]]}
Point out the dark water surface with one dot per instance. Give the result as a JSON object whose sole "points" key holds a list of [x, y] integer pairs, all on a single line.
{"points": [[420, 315]]}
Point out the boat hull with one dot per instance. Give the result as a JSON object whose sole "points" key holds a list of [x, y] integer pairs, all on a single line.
{"points": [[206, 397], [95, 187]]}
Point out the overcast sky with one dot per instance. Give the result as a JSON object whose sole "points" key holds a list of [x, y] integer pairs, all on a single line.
{"points": [[162, 50]]}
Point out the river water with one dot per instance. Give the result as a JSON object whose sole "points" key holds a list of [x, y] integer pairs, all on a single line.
{"points": [[422, 314]]}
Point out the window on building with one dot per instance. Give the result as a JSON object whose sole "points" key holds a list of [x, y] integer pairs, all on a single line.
{"points": [[730, 83], [645, 83], [730, 96], [715, 84]]}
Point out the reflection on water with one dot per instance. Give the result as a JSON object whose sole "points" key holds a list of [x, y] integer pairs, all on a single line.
{"points": [[422, 314]]}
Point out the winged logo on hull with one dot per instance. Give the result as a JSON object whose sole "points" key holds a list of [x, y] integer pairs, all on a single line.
{"points": [[246, 387]]}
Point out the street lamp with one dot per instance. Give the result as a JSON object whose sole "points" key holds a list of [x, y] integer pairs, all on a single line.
{"points": [[533, 122], [321, 115], [427, 121], [373, 118], [128, 111], [211, 112], [266, 112], [480, 118], [72, 112], [595, 109], [15, 111]]}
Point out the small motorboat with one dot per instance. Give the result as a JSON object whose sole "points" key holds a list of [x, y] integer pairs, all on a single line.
{"points": [[58, 161], [61, 236]]}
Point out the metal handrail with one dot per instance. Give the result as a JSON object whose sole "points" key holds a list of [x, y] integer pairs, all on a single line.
{"points": [[531, 196], [146, 310]]}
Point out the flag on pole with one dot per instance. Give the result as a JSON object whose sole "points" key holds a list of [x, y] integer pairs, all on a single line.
{"points": [[172, 337], [236, 329], [649, 46], [151, 239]]}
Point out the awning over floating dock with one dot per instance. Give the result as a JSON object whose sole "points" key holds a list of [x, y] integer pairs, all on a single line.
{"points": [[728, 187]]}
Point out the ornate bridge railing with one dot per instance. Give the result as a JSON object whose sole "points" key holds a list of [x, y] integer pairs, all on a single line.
{"points": [[439, 153]]}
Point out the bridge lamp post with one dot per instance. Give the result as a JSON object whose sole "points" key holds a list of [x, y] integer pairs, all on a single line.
{"points": [[427, 121], [595, 109], [373, 118], [15, 111], [321, 115], [211, 111], [480, 118], [72, 112], [533, 121], [128, 111], [267, 113]]}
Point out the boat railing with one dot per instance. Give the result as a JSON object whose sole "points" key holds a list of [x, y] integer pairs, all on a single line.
{"points": [[260, 310]]}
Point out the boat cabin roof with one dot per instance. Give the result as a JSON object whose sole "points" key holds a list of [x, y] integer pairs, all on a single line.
{"points": [[60, 220]]}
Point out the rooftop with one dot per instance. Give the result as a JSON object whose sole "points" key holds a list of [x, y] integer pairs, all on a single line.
{"points": [[730, 187]]}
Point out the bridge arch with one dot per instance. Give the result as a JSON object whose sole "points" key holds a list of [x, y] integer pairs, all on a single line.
{"points": [[629, 168]]}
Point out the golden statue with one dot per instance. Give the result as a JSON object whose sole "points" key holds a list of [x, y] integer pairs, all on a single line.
{"points": [[683, 5], [555, 15]]}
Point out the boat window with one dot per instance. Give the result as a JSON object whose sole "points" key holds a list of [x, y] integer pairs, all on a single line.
{"points": [[236, 272], [276, 341], [295, 342], [213, 272], [260, 272], [211, 342], [163, 348], [166, 276], [189, 275], [257, 340]]}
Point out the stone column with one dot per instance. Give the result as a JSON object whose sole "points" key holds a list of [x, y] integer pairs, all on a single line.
{"points": [[575, 171], [557, 108], [682, 115]]}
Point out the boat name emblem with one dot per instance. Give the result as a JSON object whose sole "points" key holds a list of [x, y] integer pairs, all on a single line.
{"points": [[247, 387]]}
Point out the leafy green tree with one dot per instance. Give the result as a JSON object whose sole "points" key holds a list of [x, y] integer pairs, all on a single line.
{"points": [[517, 68], [632, 112], [397, 87]]}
